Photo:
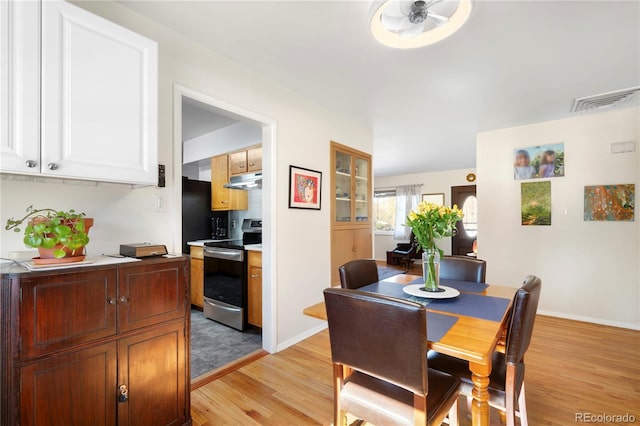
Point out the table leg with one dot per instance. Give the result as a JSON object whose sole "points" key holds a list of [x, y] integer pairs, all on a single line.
{"points": [[480, 405]]}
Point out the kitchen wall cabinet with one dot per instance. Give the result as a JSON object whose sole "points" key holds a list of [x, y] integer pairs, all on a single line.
{"points": [[254, 292], [95, 84], [245, 161], [197, 276], [352, 236], [105, 344], [225, 199], [20, 86]]}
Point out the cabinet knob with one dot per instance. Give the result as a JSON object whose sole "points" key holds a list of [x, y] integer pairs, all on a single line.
{"points": [[31, 164], [52, 166], [252, 164], [124, 299], [224, 202], [111, 301], [242, 166], [255, 276], [123, 396]]}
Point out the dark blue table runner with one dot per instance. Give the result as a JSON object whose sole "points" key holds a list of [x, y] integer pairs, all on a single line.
{"points": [[466, 286], [468, 304]]}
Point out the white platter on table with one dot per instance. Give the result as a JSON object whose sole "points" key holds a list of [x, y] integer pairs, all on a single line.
{"points": [[415, 290]]}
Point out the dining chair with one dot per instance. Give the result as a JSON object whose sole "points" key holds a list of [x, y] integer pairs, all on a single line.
{"points": [[506, 383], [463, 268], [379, 355], [358, 273]]}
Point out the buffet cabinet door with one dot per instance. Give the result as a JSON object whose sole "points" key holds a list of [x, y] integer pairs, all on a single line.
{"points": [[64, 310], [152, 369], [74, 389]]}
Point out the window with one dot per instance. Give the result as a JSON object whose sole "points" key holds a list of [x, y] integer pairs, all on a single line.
{"points": [[384, 210]]}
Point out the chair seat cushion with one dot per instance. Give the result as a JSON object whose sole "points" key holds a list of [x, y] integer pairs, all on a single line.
{"points": [[460, 369], [383, 403]]}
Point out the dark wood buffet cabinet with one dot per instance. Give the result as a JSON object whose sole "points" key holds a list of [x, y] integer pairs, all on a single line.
{"points": [[96, 345]]}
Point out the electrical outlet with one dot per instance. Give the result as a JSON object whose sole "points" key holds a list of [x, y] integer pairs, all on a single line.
{"points": [[160, 203], [233, 224]]}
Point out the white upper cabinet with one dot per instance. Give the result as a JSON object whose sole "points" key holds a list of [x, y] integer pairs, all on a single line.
{"points": [[20, 87], [97, 97]]}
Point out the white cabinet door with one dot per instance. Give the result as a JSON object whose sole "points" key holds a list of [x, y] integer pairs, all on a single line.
{"points": [[99, 98], [20, 87]]}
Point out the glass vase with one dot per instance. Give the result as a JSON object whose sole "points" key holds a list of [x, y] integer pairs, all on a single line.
{"points": [[431, 269]]}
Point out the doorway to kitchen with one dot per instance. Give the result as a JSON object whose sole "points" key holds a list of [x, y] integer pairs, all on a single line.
{"points": [[206, 129]]}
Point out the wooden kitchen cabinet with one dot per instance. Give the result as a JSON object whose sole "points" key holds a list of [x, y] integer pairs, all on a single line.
{"points": [[238, 163], [254, 296], [197, 276], [254, 159], [72, 340], [352, 229], [348, 245], [245, 161], [225, 199], [112, 140]]}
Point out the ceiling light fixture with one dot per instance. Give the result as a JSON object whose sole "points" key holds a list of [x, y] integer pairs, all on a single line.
{"points": [[407, 24]]}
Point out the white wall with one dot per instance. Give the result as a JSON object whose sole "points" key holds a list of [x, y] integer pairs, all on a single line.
{"points": [[227, 139], [589, 270], [300, 266], [432, 182]]}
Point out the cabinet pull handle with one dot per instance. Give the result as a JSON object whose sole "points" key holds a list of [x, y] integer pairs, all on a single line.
{"points": [[124, 299], [224, 202], [31, 164], [242, 166], [52, 166], [111, 301], [123, 396], [254, 275], [252, 164]]}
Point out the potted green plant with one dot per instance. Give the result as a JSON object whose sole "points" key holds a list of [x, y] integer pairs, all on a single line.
{"points": [[56, 234]]}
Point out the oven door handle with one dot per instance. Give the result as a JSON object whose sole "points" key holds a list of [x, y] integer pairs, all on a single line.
{"points": [[216, 253]]}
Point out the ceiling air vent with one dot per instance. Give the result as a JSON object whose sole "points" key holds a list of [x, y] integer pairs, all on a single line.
{"points": [[604, 100]]}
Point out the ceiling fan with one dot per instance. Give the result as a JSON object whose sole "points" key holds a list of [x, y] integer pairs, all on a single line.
{"points": [[409, 18]]}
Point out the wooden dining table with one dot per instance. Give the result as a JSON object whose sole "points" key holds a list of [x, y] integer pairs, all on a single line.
{"points": [[471, 338]]}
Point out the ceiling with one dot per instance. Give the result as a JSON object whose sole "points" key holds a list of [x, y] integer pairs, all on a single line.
{"points": [[513, 63], [199, 119]]}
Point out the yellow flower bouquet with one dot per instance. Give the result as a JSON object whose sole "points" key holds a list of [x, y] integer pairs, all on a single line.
{"points": [[430, 224]]}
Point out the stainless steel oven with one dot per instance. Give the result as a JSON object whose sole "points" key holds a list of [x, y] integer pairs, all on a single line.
{"points": [[225, 277]]}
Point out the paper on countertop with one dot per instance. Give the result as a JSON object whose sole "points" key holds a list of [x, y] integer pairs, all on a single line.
{"points": [[89, 260]]}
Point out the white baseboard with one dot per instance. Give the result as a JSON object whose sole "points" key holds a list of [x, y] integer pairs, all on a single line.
{"points": [[300, 337], [583, 318]]}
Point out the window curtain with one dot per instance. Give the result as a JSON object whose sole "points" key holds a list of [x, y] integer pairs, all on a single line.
{"points": [[407, 198]]}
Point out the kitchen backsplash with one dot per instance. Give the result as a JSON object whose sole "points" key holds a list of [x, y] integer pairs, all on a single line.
{"points": [[254, 212]]}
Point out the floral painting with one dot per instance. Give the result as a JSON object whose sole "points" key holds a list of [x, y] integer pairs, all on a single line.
{"points": [[609, 202], [304, 188], [536, 203], [538, 162]]}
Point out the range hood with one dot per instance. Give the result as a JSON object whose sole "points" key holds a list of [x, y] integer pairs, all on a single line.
{"points": [[246, 182]]}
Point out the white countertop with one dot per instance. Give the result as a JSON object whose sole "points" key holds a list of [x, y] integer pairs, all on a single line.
{"points": [[253, 247], [200, 243]]}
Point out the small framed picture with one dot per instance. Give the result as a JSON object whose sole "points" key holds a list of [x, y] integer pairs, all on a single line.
{"points": [[437, 198], [304, 188]]}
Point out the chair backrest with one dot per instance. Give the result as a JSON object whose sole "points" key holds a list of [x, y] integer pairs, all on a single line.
{"points": [[523, 316], [358, 273], [380, 336], [463, 268]]}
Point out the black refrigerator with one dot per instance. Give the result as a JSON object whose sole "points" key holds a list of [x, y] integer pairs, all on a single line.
{"points": [[196, 211]]}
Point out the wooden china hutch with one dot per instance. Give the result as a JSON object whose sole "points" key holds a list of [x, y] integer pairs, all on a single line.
{"points": [[99, 345], [351, 197]]}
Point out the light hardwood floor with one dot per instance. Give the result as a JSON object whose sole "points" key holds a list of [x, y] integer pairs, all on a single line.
{"points": [[572, 367]]}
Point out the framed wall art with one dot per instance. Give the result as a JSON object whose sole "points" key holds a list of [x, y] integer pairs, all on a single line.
{"points": [[538, 162], [536, 203], [304, 188], [436, 198], [609, 202]]}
